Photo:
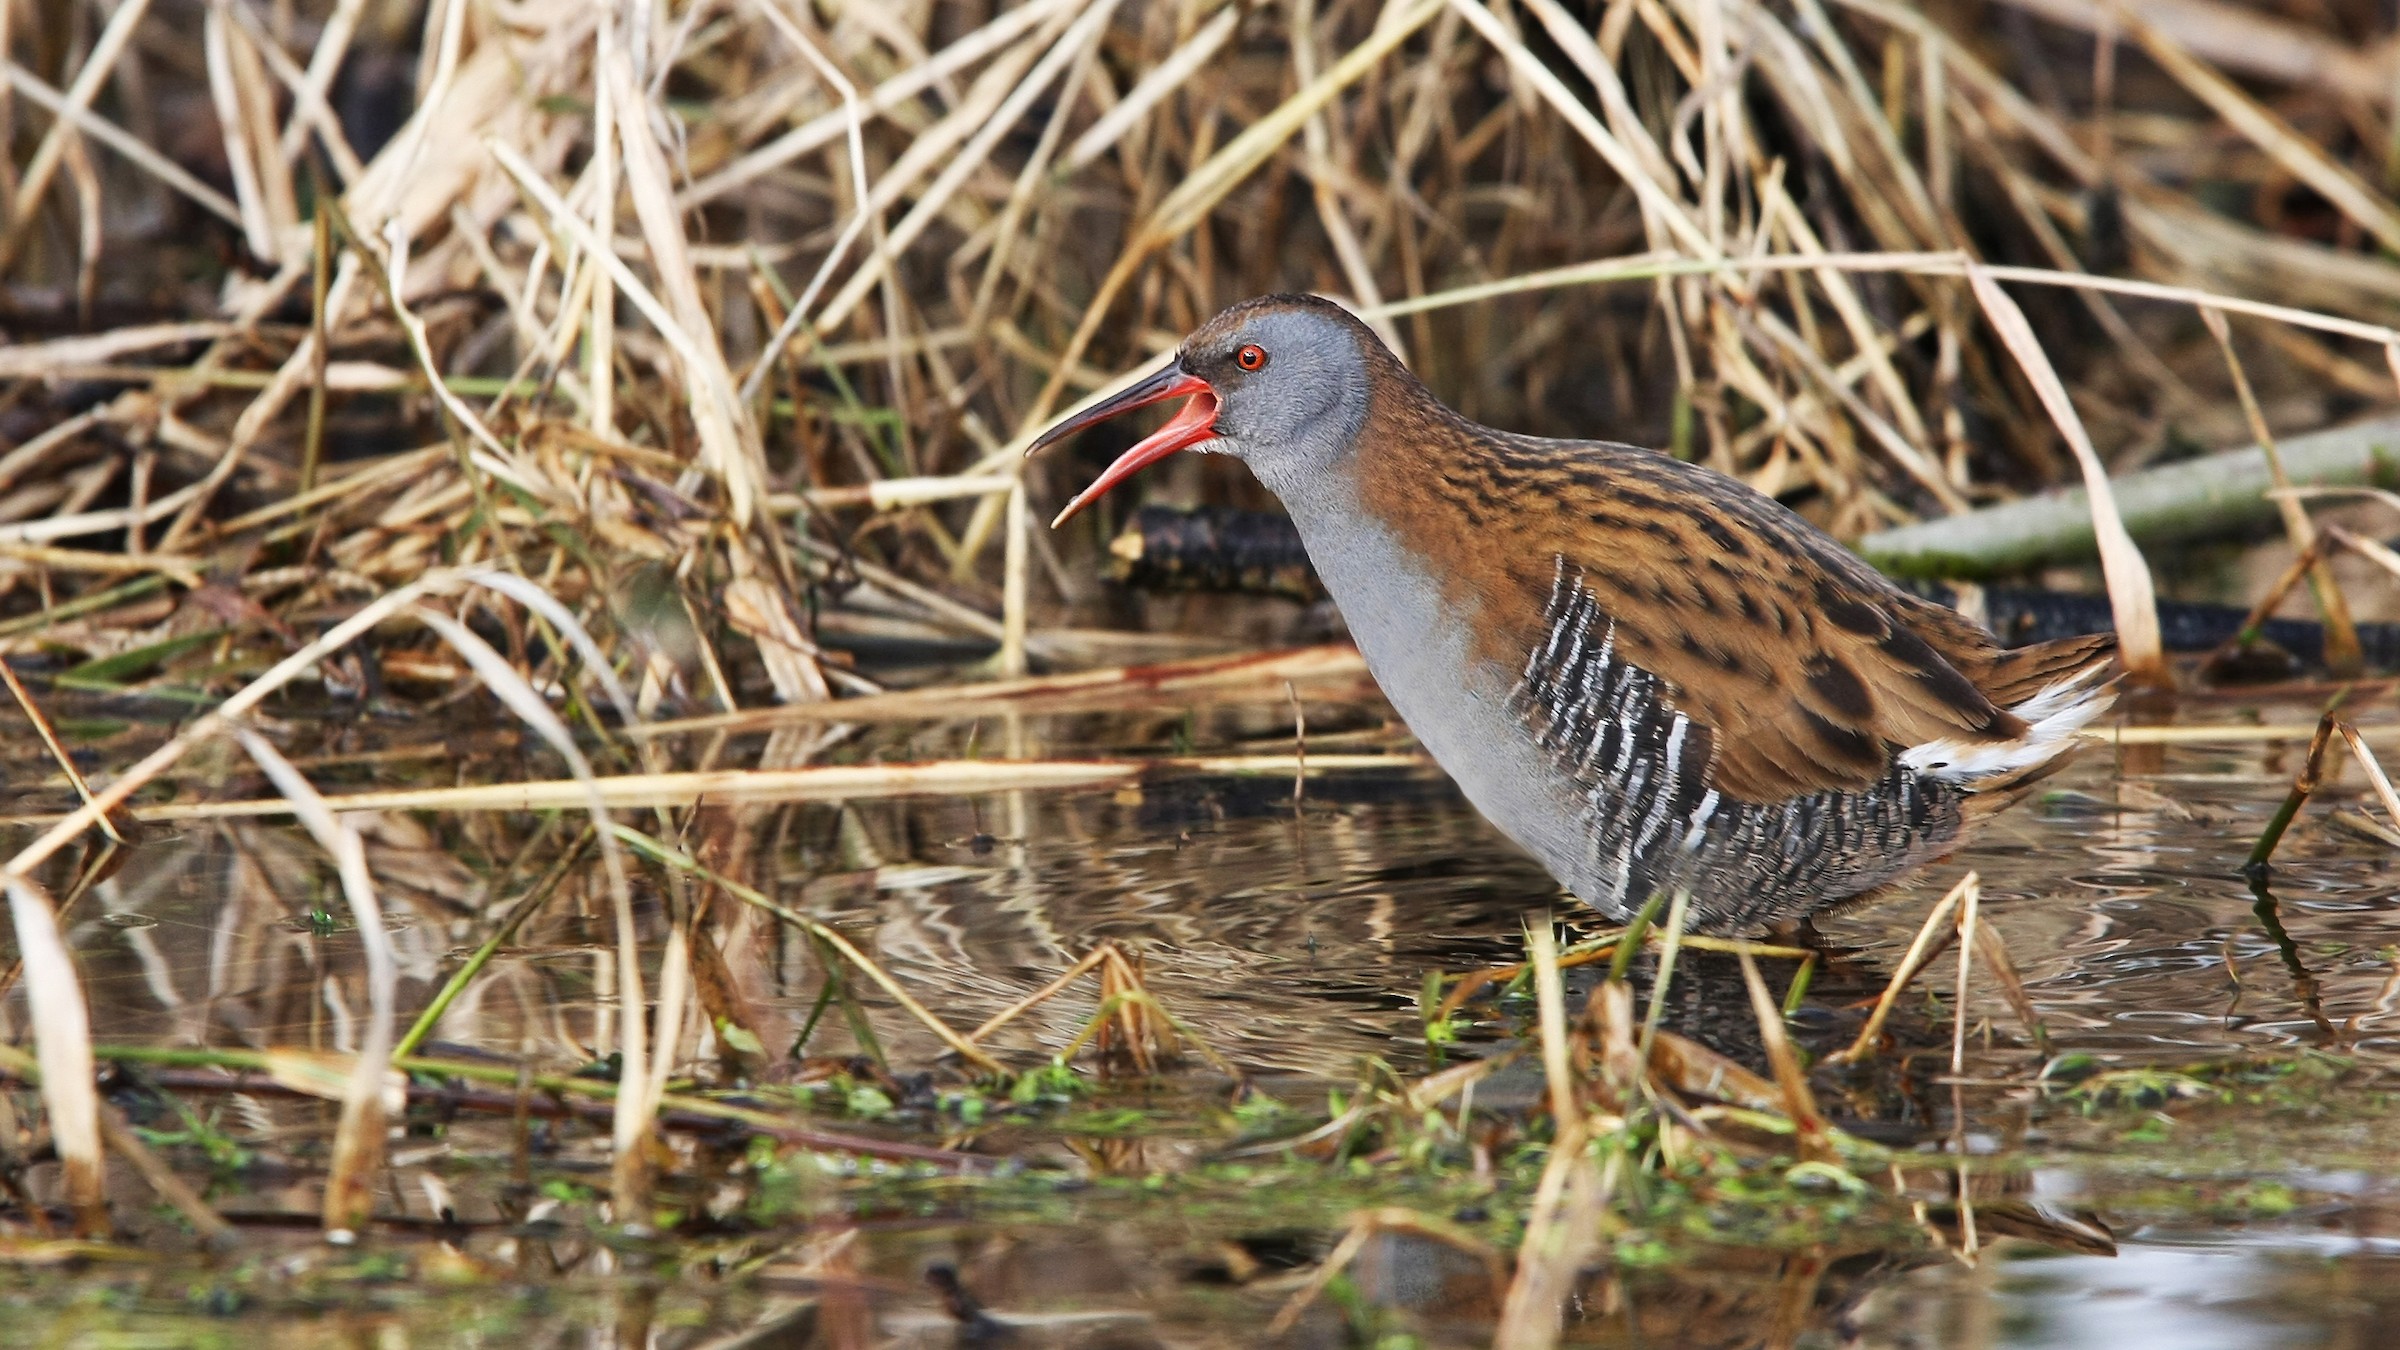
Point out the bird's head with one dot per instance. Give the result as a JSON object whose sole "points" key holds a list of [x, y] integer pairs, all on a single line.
{"points": [[1282, 383]]}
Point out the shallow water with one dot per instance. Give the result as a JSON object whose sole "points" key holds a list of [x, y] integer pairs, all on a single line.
{"points": [[1294, 939]]}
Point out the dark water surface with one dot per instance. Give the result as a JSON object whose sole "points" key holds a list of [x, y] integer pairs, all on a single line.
{"points": [[1295, 941]]}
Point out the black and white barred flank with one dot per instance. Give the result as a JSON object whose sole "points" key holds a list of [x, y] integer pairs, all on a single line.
{"points": [[1652, 821]]}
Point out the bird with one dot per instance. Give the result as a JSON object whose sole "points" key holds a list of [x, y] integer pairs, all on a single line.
{"points": [[1651, 676]]}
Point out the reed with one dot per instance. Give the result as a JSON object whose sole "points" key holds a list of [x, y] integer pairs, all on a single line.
{"points": [[691, 342]]}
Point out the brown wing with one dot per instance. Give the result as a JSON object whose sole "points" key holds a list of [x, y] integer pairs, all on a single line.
{"points": [[1807, 668]]}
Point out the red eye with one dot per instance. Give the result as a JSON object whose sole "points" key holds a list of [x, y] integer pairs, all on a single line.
{"points": [[1252, 357]]}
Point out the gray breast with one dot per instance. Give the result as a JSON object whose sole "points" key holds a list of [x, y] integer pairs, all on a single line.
{"points": [[1421, 653]]}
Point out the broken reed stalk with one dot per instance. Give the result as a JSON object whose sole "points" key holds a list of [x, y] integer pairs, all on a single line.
{"points": [[2012, 985], [1791, 1080], [2310, 778], [110, 824], [1142, 1024], [1932, 937], [2374, 767], [2304, 784], [1605, 948], [1123, 1022], [1088, 962]]}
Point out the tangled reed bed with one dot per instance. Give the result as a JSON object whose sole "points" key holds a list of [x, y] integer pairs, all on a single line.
{"points": [[861, 254], [657, 362]]}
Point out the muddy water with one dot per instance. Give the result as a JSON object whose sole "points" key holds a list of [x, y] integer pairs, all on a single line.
{"points": [[1294, 937]]}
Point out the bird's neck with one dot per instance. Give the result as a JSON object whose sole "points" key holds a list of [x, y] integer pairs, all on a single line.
{"points": [[1400, 566], [1388, 567]]}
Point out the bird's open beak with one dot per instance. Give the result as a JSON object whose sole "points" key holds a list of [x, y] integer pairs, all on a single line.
{"points": [[1191, 425]]}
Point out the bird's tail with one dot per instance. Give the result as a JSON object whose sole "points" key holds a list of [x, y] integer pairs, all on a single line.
{"points": [[2058, 688]]}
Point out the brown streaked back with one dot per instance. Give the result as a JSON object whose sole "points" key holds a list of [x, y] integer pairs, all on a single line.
{"points": [[1805, 668]]}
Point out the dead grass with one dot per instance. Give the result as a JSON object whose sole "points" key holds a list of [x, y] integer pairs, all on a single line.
{"points": [[651, 361]]}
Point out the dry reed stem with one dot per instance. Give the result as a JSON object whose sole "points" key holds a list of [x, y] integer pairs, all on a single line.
{"points": [[1562, 1229], [1969, 928], [2374, 768], [2342, 653], [1199, 191], [2012, 985], [2373, 550], [1654, 265], [1153, 88], [213, 1230], [1085, 964], [637, 1104], [233, 126], [2130, 594], [1654, 197], [2226, 733], [2250, 41], [2299, 156], [1930, 939], [1550, 1005], [827, 783], [1791, 1080], [862, 214], [311, 115], [729, 441], [42, 727], [116, 138], [1004, 29], [358, 1139], [394, 265], [62, 1039], [34, 183], [988, 126]]}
